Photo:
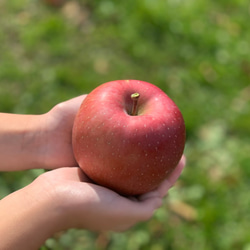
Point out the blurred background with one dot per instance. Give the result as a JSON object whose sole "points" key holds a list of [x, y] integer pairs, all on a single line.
{"points": [[197, 51]]}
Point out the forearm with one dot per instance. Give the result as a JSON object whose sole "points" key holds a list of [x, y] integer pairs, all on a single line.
{"points": [[26, 220], [20, 141]]}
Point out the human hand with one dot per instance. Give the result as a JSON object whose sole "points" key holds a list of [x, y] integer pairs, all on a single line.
{"points": [[87, 205], [38, 141], [65, 198], [57, 129]]}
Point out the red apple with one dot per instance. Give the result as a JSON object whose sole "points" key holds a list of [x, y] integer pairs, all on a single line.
{"points": [[128, 143]]}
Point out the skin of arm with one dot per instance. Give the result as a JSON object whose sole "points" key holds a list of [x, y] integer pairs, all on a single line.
{"points": [[38, 141], [65, 198], [27, 219]]}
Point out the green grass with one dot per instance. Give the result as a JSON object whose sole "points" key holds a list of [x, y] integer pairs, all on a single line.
{"points": [[198, 52]]}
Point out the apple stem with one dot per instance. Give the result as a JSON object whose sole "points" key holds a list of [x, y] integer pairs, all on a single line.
{"points": [[135, 98]]}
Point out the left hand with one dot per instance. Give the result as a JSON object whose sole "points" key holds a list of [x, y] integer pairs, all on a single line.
{"points": [[58, 123]]}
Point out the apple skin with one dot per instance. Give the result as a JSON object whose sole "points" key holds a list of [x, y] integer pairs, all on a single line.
{"points": [[129, 154]]}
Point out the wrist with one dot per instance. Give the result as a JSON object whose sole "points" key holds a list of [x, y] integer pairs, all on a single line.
{"points": [[20, 141]]}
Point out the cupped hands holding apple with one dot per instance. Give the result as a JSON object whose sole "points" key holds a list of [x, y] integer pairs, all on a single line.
{"points": [[128, 139]]}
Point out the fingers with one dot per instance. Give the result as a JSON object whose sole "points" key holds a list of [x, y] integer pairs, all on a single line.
{"points": [[107, 210], [162, 190], [172, 178], [148, 207], [134, 211], [151, 201]]}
